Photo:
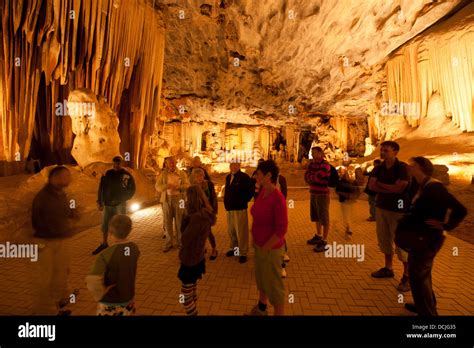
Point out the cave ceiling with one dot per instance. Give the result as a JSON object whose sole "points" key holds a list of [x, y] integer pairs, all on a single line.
{"points": [[277, 61]]}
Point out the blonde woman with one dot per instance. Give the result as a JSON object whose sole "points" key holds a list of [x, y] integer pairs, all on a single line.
{"points": [[195, 228]]}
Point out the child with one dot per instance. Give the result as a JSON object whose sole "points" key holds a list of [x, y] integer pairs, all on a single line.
{"points": [[112, 278], [195, 229]]}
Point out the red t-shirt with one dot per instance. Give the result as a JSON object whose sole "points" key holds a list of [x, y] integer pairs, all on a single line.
{"points": [[270, 216]]}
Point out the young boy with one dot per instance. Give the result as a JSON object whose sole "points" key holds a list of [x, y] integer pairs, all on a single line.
{"points": [[112, 278]]}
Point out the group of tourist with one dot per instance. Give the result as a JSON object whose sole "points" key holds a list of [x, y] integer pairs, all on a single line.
{"points": [[402, 197]]}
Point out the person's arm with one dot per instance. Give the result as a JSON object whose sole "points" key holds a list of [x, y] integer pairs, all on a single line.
{"points": [[184, 222], [206, 175], [131, 186], [376, 186], [249, 187], [95, 280], [402, 182], [324, 171], [184, 181], [398, 187], [215, 204], [280, 216], [283, 186], [161, 185], [458, 210], [100, 193]]}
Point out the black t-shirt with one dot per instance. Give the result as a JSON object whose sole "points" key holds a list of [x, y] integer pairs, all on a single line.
{"points": [[398, 202]]}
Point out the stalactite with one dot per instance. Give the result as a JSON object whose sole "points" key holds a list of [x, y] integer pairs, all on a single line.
{"points": [[438, 61], [108, 46]]}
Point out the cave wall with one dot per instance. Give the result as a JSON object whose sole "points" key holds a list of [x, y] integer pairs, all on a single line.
{"points": [[429, 83], [114, 48]]}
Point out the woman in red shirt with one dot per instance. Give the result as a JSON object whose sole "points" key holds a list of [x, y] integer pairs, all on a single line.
{"points": [[270, 223]]}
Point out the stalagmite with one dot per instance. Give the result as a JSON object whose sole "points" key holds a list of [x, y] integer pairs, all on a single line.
{"points": [[96, 128], [108, 46]]}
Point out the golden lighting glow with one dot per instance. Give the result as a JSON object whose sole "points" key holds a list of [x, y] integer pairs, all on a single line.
{"points": [[134, 207]]}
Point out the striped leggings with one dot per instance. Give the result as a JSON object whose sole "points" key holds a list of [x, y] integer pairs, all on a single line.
{"points": [[190, 298]]}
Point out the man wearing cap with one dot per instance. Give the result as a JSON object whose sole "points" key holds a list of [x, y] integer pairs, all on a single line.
{"points": [[116, 187]]}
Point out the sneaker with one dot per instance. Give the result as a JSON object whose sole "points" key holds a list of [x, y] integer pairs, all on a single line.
{"points": [[383, 273], [370, 218], [283, 273], [404, 285], [213, 256], [100, 248], [242, 259], [411, 307], [314, 240], [230, 253], [286, 258], [167, 248], [320, 247], [256, 311]]}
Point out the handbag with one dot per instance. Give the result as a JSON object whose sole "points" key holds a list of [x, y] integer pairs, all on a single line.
{"points": [[410, 234]]}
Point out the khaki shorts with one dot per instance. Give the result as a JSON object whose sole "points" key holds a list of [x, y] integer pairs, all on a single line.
{"points": [[319, 209], [268, 274], [386, 224]]}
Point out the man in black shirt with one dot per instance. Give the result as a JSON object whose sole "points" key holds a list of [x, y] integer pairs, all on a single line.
{"points": [[239, 190], [116, 187], [390, 180]]}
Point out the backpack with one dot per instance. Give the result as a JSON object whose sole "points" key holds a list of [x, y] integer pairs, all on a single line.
{"points": [[333, 177]]}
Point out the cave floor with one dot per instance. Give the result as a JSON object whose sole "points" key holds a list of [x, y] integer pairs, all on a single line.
{"points": [[317, 285]]}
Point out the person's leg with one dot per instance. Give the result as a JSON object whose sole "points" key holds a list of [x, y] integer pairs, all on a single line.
{"points": [[61, 264], [275, 288], [344, 212], [350, 214], [383, 236], [187, 290], [43, 303], [259, 261], [372, 209], [242, 226], [122, 208], [233, 241], [212, 240], [108, 213], [179, 207], [421, 264], [313, 209], [168, 222], [323, 206]]}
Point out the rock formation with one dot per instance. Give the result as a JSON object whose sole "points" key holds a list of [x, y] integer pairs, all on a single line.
{"points": [[96, 128]]}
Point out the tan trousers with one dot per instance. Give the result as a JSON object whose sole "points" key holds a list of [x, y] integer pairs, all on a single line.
{"points": [[386, 225], [52, 270], [173, 210], [238, 229]]}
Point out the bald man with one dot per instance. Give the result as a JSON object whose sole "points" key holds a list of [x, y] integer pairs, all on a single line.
{"points": [[239, 190]]}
